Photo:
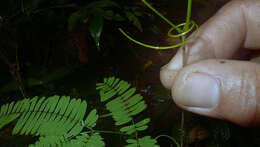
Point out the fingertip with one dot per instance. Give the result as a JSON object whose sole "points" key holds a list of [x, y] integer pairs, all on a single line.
{"points": [[169, 71], [167, 76]]}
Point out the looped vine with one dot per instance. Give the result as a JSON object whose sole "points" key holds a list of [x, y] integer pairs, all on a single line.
{"points": [[182, 29], [183, 33]]}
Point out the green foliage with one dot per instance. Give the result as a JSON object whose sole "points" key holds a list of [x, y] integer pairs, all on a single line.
{"points": [[140, 126], [59, 121], [134, 19], [145, 141], [96, 12], [63, 14], [38, 114], [125, 104], [91, 120], [132, 14], [95, 28], [82, 140]]}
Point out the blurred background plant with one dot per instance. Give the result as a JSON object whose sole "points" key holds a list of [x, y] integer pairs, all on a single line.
{"points": [[44, 35]]}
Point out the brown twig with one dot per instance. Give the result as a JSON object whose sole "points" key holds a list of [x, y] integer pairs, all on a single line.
{"points": [[15, 72], [22, 6]]}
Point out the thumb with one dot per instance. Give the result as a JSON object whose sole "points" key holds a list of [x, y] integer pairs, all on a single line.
{"points": [[225, 89]]}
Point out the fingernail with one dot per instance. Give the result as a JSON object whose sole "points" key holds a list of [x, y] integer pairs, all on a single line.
{"points": [[200, 91]]}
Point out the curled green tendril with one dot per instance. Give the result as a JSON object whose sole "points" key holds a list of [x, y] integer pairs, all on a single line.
{"points": [[193, 24], [162, 47], [182, 29]]}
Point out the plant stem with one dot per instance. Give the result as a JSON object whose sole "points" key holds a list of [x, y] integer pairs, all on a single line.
{"points": [[160, 15], [182, 112], [15, 72], [186, 27], [182, 128], [18, 76], [109, 132], [188, 15], [105, 115]]}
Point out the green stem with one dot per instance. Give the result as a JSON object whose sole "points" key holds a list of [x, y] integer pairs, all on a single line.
{"points": [[160, 15], [103, 131], [186, 27], [188, 15], [136, 132], [109, 132], [105, 115]]}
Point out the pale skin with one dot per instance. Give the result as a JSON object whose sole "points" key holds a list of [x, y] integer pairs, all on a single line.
{"points": [[212, 84]]}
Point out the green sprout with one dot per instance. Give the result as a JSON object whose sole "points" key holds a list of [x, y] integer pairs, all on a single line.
{"points": [[182, 29]]}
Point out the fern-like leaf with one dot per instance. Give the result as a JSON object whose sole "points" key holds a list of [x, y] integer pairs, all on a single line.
{"points": [[48, 141], [54, 116], [146, 141], [4, 117], [86, 140], [81, 140], [111, 87], [95, 140], [125, 104], [140, 126]]}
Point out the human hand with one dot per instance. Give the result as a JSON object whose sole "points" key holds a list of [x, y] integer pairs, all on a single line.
{"points": [[211, 84]]}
